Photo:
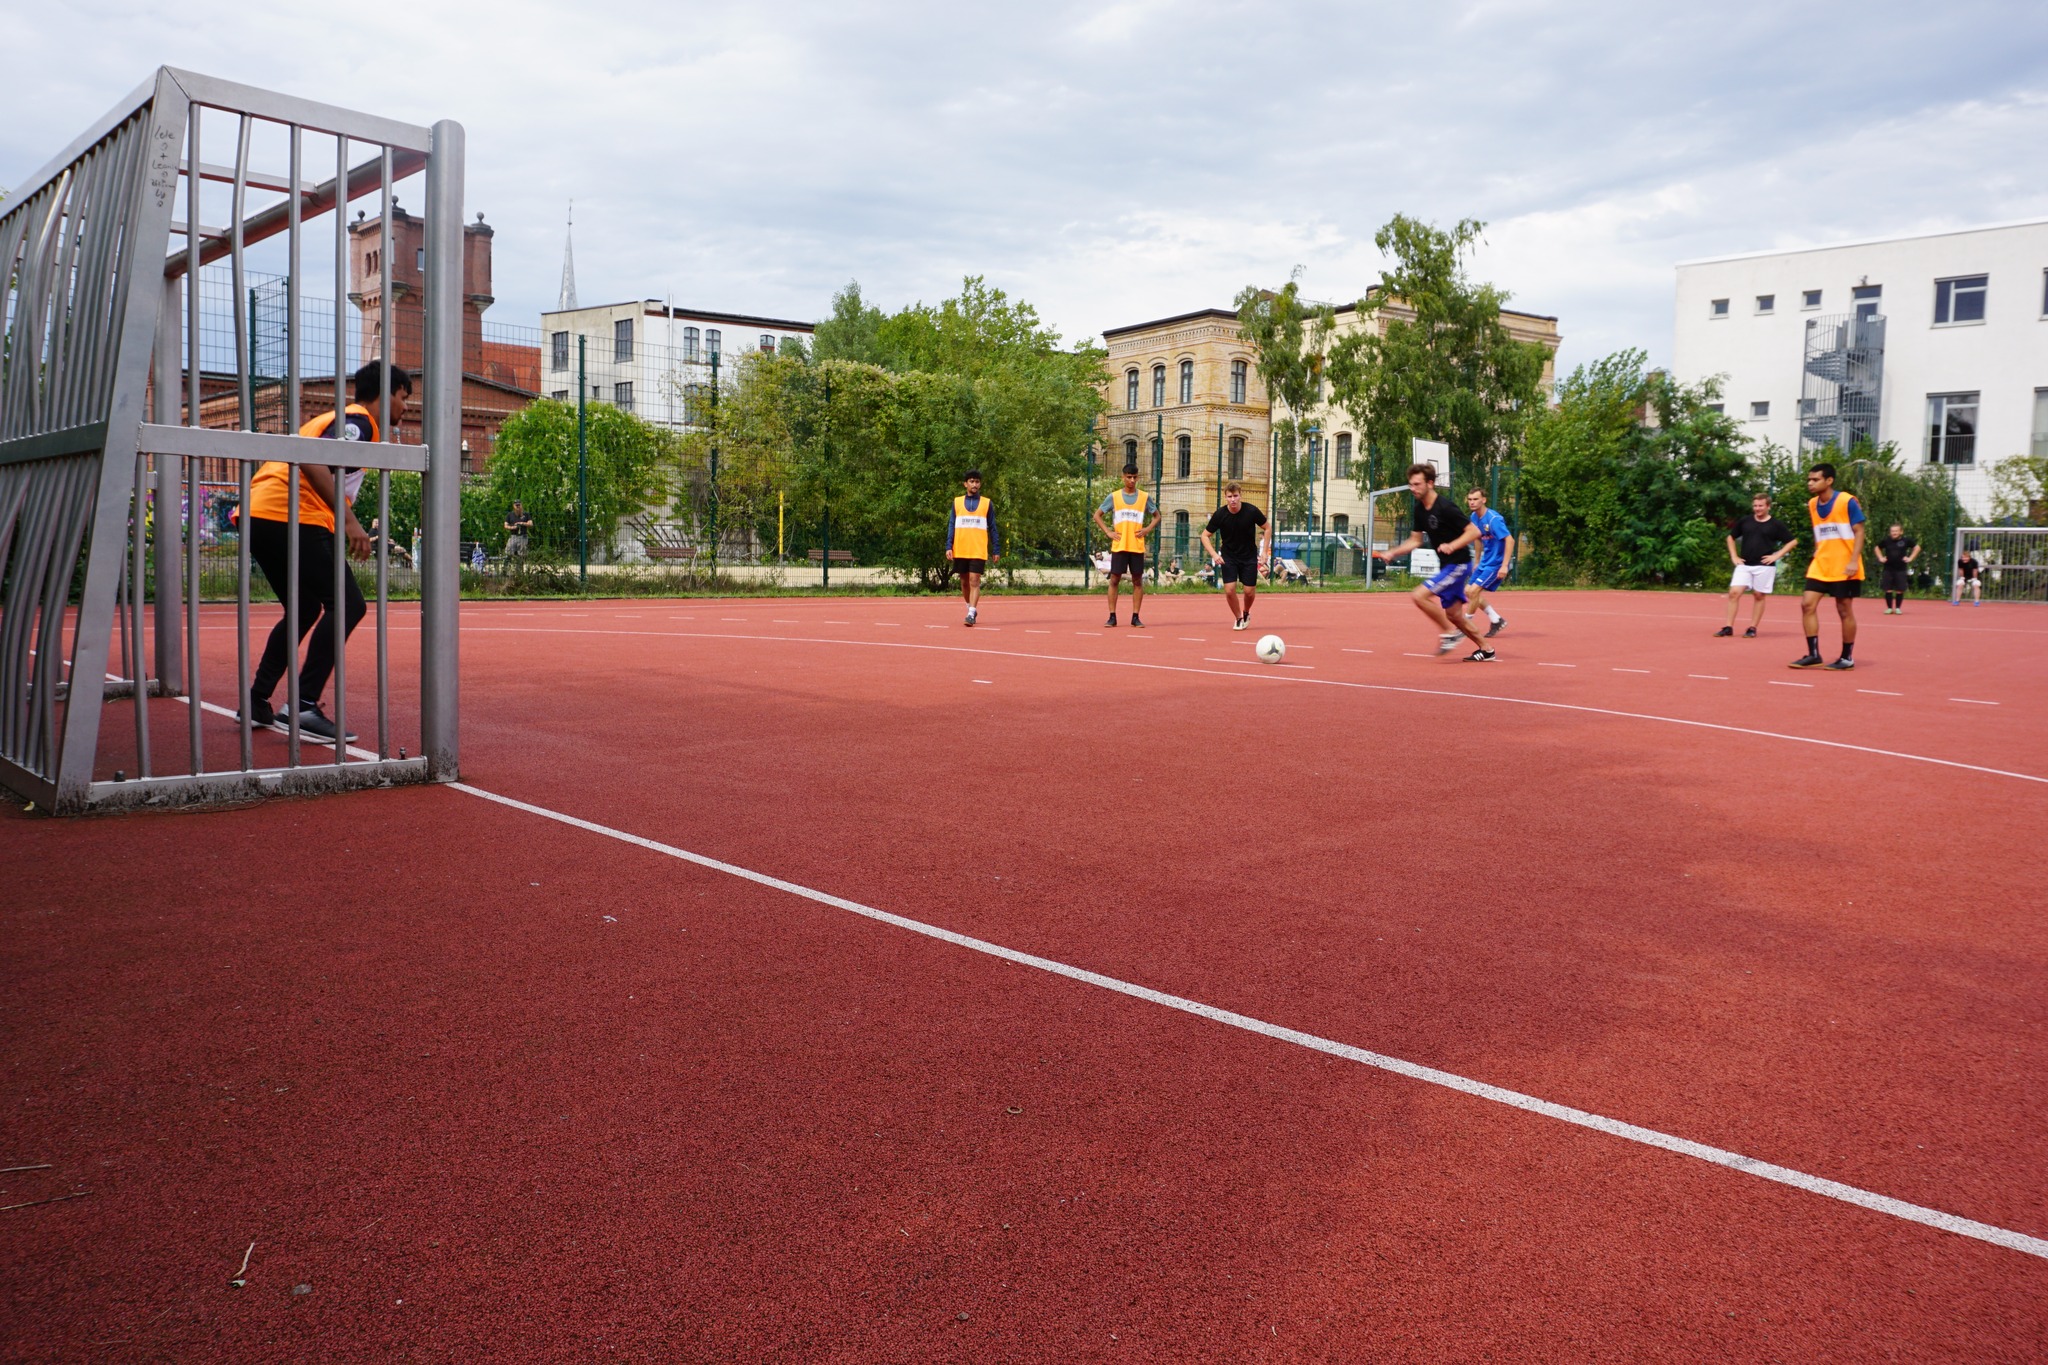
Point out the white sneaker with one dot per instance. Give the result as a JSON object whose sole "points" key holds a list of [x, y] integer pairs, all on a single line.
{"points": [[1445, 644]]}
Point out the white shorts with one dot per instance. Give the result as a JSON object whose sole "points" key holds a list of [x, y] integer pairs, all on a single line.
{"points": [[1758, 578]]}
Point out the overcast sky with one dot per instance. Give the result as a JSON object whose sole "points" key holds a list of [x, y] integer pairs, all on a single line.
{"points": [[1113, 163]]}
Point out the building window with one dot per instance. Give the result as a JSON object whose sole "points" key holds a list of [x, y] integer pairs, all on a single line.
{"points": [[1183, 456], [1868, 298], [1187, 381], [560, 395], [1952, 428], [1809, 407], [1960, 299], [1757, 410], [712, 341], [1810, 299], [1130, 390], [1766, 303], [1180, 533], [2044, 293], [1131, 452], [419, 261], [1340, 523], [689, 343], [1714, 407], [1718, 308], [1344, 455], [2041, 424], [1237, 454], [1238, 369], [622, 340], [558, 351], [622, 396], [1158, 386], [767, 343]]}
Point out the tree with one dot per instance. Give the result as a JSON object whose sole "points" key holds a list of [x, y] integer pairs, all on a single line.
{"points": [[1632, 478], [1433, 360], [534, 460], [1292, 337], [2019, 490]]}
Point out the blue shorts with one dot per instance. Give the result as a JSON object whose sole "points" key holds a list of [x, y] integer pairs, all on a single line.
{"points": [[1485, 578], [1449, 583]]}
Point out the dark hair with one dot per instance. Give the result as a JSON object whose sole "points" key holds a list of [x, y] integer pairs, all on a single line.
{"points": [[1427, 471], [369, 381], [974, 474], [1825, 470], [1130, 469]]}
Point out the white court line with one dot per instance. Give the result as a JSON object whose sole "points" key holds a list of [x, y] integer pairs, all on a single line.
{"points": [[838, 623], [986, 682], [1631, 670], [1357, 651], [1464, 1085], [739, 619], [1775, 683], [1409, 654], [1195, 639], [1087, 632], [1710, 677], [930, 626], [1873, 692], [885, 623], [773, 621], [1258, 663], [1543, 665], [1972, 701], [1029, 631], [1267, 676]]}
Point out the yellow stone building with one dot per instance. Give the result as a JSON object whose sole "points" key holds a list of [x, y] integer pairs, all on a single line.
{"points": [[1187, 407]]}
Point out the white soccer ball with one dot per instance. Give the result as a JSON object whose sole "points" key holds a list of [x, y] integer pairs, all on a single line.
{"points": [[1271, 649]]}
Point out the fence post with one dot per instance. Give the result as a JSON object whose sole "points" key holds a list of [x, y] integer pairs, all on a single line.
{"points": [[714, 462], [1088, 518], [1158, 494], [582, 470], [441, 486], [825, 558]]}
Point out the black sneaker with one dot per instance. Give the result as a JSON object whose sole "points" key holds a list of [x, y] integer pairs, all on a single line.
{"points": [[970, 618], [1112, 619], [1841, 665], [1808, 661], [261, 716], [1481, 655], [1136, 624], [1724, 632], [1497, 627], [1749, 634], [314, 725]]}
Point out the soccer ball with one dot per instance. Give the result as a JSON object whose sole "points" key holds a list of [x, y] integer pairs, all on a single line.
{"points": [[1271, 649]]}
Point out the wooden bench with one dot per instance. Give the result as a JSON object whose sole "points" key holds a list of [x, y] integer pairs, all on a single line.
{"points": [[682, 552], [838, 556]]}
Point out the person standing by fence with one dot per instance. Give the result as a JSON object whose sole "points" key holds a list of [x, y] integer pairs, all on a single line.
{"points": [[1896, 553], [972, 541], [322, 490], [1836, 569], [518, 530]]}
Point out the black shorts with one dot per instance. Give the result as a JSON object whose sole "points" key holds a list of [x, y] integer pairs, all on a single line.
{"points": [[1846, 588], [1894, 577], [1130, 562], [1240, 569], [964, 567]]}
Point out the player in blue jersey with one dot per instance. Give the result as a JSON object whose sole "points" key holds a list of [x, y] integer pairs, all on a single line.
{"points": [[1496, 556]]}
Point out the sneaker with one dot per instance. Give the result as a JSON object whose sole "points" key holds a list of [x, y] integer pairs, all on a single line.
{"points": [[1481, 655], [1241, 623], [1808, 661], [1136, 624], [1724, 632], [970, 618], [1111, 621], [1497, 627], [1749, 634], [1445, 644], [314, 725], [261, 716], [1841, 665]]}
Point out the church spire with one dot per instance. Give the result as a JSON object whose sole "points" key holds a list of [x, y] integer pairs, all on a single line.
{"points": [[567, 303]]}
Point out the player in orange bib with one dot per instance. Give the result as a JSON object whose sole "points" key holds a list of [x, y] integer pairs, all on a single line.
{"points": [[1836, 569], [972, 541], [1130, 507]]}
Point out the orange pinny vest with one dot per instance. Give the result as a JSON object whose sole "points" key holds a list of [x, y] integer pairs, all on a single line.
{"points": [[270, 489], [1834, 541]]}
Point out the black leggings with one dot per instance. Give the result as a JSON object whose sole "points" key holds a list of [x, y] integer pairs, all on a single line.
{"points": [[270, 547]]}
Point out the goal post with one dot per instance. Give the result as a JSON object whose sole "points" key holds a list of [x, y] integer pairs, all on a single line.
{"points": [[2012, 562]]}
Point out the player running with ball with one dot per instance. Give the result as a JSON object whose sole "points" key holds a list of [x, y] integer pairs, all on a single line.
{"points": [[1446, 530]]}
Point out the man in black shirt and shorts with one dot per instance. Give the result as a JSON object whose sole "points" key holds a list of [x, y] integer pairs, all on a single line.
{"points": [[1895, 553], [1237, 522], [1445, 528], [1755, 545]]}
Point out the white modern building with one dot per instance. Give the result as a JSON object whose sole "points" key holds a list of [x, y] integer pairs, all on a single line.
{"points": [[1937, 343], [651, 358]]}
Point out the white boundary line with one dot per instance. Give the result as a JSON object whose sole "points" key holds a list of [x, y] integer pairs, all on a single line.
{"points": [[1514, 1099], [1273, 675]]}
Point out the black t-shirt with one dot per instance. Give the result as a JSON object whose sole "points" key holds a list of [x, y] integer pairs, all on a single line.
{"points": [[1754, 539], [1442, 524], [1894, 552], [1237, 533], [1968, 568]]}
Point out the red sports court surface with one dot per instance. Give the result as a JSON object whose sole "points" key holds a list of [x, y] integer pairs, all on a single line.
{"points": [[1049, 993]]}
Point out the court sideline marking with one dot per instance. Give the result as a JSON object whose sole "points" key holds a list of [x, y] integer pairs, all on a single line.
{"points": [[1513, 1099], [1278, 677]]}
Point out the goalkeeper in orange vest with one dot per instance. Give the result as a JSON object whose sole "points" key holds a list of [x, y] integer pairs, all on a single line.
{"points": [[1127, 530], [972, 541], [1836, 569]]}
